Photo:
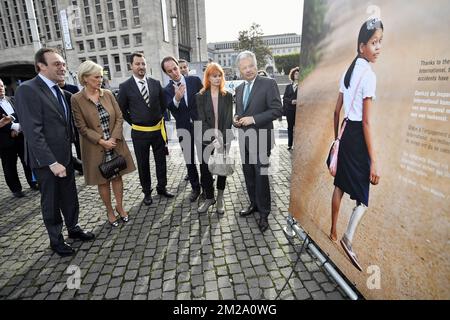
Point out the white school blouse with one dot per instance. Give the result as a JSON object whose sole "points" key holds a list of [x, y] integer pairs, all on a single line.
{"points": [[366, 89]]}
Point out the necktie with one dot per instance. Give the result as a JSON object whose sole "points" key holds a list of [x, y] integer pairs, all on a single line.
{"points": [[60, 100], [144, 92], [246, 94]]}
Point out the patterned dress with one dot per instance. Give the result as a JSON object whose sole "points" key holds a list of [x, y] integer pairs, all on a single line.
{"points": [[104, 122]]}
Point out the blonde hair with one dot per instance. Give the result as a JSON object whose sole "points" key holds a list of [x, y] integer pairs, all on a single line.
{"points": [[86, 69], [211, 69]]}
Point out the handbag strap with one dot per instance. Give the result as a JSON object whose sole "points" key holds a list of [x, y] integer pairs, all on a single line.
{"points": [[352, 106]]}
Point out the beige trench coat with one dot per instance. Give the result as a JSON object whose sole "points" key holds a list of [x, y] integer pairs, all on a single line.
{"points": [[88, 123]]}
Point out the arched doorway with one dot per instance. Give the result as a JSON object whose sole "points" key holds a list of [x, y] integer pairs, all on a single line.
{"points": [[13, 74]]}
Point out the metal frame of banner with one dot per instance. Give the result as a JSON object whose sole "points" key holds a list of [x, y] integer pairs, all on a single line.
{"points": [[293, 229]]}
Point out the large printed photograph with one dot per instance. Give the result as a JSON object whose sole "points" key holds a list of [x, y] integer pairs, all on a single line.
{"points": [[370, 181]]}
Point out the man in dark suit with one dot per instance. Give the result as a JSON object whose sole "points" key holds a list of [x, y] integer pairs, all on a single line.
{"points": [[68, 90], [142, 102], [46, 123], [12, 146], [180, 97], [258, 104]]}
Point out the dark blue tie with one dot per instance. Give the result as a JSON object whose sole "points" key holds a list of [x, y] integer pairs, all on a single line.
{"points": [[60, 100]]}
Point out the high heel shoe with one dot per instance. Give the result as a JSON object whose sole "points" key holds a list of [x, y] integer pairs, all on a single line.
{"points": [[114, 223], [124, 219]]}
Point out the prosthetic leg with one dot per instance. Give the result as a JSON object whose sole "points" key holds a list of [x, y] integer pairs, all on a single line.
{"points": [[347, 239]]}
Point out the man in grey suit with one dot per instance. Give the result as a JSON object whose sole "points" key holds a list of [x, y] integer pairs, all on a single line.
{"points": [[258, 104], [46, 123]]}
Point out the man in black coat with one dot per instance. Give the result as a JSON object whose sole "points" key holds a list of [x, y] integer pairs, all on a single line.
{"points": [[46, 123], [142, 102], [12, 147]]}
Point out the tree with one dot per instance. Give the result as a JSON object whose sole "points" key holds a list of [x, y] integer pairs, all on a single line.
{"points": [[287, 62], [251, 40]]}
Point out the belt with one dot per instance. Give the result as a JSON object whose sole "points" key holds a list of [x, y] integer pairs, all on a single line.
{"points": [[159, 127]]}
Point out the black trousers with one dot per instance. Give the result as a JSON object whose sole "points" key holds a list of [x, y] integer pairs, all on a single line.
{"points": [[58, 195], [290, 117], [9, 163], [257, 182], [188, 147], [206, 176], [142, 141]]}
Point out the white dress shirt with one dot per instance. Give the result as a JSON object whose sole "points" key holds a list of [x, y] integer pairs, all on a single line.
{"points": [[7, 107], [175, 102]]}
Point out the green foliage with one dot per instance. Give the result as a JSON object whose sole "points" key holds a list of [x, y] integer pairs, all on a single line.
{"points": [[251, 40], [314, 30], [287, 62]]}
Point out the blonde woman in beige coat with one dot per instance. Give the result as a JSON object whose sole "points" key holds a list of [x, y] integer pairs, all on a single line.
{"points": [[99, 121]]}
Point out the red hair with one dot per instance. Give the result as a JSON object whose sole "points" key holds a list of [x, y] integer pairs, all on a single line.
{"points": [[210, 70]]}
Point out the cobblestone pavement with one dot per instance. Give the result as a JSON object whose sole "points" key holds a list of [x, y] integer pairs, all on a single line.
{"points": [[166, 251]]}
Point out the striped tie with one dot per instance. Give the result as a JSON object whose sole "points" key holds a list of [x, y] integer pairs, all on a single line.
{"points": [[144, 92]]}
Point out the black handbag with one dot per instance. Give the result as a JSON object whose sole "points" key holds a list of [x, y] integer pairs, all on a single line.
{"points": [[111, 168]]}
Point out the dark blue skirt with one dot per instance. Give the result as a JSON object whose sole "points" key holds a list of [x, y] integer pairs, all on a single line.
{"points": [[353, 169]]}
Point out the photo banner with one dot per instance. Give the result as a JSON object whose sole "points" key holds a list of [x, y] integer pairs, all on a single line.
{"points": [[401, 241]]}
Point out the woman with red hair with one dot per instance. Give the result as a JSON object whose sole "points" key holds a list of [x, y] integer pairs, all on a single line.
{"points": [[215, 110]]}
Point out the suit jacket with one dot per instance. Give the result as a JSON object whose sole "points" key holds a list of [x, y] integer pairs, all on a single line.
{"points": [[184, 114], [48, 133], [206, 113], [6, 141], [264, 105], [289, 95], [133, 106]]}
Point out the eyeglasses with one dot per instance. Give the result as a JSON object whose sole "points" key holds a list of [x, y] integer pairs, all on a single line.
{"points": [[374, 23]]}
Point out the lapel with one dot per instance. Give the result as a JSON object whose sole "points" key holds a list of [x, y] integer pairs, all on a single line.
{"points": [[208, 103], [221, 107], [252, 93], [54, 102], [189, 93], [239, 97]]}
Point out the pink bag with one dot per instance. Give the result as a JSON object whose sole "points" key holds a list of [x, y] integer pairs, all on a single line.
{"points": [[332, 159]]}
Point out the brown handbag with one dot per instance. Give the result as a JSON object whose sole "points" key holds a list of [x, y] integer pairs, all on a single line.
{"points": [[111, 168]]}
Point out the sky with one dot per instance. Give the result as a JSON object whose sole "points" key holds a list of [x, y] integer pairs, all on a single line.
{"points": [[224, 19]]}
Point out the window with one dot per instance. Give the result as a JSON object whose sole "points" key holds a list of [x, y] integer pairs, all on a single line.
{"points": [[136, 19], [113, 41], [80, 45], [117, 63], [110, 14], [102, 43], [87, 17], [127, 57], [82, 60], [138, 39], [126, 40], [91, 45], [164, 21], [93, 59], [104, 61], [123, 14]]}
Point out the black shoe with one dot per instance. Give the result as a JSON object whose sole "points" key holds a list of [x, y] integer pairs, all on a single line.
{"points": [[290, 148], [165, 193], [34, 186], [19, 194], [63, 249], [82, 235], [263, 224], [194, 195], [186, 178], [148, 199], [251, 209]]}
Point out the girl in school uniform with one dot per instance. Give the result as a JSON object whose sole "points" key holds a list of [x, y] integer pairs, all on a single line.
{"points": [[357, 162]]}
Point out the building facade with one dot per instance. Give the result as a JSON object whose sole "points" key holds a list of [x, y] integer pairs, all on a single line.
{"points": [[225, 54], [104, 31]]}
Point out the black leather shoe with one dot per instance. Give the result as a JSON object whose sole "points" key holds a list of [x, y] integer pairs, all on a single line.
{"points": [[165, 193], [194, 195], [82, 235], [148, 199], [263, 224], [63, 249], [186, 177], [34, 186], [251, 209], [19, 194]]}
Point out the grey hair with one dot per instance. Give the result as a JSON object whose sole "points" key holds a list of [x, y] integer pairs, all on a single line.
{"points": [[245, 55]]}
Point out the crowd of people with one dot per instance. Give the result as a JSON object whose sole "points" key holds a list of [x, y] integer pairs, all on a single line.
{"points": [[53, 115]]}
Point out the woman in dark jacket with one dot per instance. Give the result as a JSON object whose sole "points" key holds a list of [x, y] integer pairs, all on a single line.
{"points": [[290, 104], [215, 110]]}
